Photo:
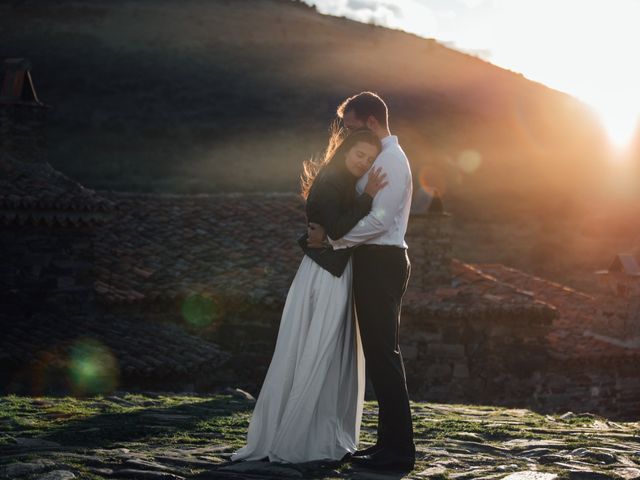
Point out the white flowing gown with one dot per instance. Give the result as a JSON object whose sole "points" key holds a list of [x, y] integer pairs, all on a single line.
{"points": [[310, 404]]}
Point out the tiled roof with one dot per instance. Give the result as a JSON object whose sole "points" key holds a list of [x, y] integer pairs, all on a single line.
{"points": [[569, 339], [237, 246], [473, 293], [33, 344], [243, 247], [36, 193]]}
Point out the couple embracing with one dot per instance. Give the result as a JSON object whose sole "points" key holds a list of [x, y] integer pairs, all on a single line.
{"points": [[310, 404]]}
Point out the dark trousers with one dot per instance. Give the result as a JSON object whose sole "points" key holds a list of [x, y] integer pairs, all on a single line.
{"points": [[380, 276]]}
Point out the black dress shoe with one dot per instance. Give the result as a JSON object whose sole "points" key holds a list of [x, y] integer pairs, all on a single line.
{"points": [[366, 451], [385, 459]]}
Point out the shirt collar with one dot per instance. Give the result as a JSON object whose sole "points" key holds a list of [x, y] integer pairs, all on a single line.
{"points": [[389, 140]]}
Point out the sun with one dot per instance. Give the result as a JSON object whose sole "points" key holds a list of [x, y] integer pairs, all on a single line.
{"points": [[584, 49], [620, 121]]}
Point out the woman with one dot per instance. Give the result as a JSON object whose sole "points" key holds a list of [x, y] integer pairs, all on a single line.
{"points": [[310, 404]]}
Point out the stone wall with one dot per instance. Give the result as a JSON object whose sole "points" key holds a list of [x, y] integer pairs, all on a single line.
{"points": [[250, 336], [507, 362], [429, 240], [481, 359], [618, 310], [610, 387], [618, 317], [46, 270]]}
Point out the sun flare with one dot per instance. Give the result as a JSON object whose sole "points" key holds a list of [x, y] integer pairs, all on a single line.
{"points": [[586, 48], [619, 119], [580, 48]]}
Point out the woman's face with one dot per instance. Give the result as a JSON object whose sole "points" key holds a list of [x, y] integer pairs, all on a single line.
{"points": [[360, 158]]}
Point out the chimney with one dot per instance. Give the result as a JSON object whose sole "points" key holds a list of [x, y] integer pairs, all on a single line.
{"points": [[429, 240], [22, 115]]}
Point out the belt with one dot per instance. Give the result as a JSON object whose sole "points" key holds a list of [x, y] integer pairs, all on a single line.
{"points": [[373, 246]]}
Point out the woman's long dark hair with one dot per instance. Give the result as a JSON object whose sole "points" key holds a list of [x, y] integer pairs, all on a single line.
{"points": [[339, 144]]}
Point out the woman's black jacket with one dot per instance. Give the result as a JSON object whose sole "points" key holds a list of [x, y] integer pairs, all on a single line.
{"points": [[333, 203]]}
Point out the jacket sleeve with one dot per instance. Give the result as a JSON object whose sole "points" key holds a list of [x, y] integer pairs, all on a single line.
{"points": [[336, 218]]}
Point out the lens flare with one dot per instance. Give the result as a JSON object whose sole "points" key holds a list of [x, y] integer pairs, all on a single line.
{"points": [[93, 369], [200, 311], [432, 181], [50, 373], [469, 161]]}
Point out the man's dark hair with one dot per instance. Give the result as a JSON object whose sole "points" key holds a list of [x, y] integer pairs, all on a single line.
{"points": [[365, 104]]}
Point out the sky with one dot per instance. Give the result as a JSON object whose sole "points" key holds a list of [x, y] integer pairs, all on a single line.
{"points": [[587, 48]]}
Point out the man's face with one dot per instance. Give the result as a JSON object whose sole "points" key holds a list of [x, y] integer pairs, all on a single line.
{"points": [[350, 122]]}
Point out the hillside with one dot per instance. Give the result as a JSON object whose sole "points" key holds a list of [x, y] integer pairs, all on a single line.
{"points": [[219, 95]]}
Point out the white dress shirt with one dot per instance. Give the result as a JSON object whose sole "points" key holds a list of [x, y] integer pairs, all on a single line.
{"points": [[386, 224]]}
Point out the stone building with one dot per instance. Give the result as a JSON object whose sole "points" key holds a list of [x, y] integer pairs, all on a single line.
{"points": [[187, 290]]}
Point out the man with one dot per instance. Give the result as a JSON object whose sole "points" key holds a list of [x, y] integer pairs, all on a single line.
{"points": [[380, 274]]}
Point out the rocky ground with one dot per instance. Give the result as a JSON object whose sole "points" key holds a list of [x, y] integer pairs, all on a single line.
{"points": [[178, 436]]}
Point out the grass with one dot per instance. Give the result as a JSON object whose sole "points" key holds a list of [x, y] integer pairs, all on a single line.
{"points": [[488, 424], [458, 437], [97, 421], [184, 419]]}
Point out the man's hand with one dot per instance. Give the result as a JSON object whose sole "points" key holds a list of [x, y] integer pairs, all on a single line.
{"points": [[317, 236]]}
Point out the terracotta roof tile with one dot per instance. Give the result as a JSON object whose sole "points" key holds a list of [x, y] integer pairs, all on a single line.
{"points": [[472, 293], [243, 247], [231, 245], [570, 339]]}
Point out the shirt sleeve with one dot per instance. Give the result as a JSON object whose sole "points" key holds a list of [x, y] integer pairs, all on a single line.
{"points": [[384, 208]]}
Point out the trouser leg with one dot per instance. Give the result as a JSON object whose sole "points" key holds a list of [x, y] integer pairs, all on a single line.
{"points": [[380, 280]]}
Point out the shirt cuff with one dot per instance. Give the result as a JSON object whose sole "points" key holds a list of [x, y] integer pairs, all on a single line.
{"points": [[337, 244]]}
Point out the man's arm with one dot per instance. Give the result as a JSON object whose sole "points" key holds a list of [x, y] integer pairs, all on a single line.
{"points": [[384, 208]]}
